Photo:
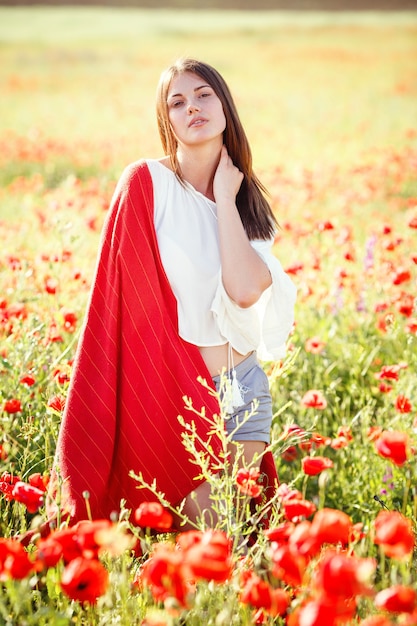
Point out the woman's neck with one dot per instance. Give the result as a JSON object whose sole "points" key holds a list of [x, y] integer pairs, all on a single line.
{"points": [[198, 168]]}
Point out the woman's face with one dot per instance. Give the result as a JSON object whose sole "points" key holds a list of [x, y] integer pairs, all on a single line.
{"points": [[195, 111]]}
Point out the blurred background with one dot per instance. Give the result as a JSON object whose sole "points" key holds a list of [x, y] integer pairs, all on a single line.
{"points": [[292, 5]]}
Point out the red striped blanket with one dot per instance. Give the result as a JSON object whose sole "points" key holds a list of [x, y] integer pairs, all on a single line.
{"points": [[131, 373]]}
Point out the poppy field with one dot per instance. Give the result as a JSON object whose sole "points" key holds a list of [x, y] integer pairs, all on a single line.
{"points": [[330, 108]]}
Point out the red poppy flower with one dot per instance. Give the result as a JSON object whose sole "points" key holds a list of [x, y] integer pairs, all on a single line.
{"points": [[70, 321], [247, 482], [342, 576], [89, 536], [288, 565], [56, 402], [12, 406], [391, 372], [314, 399], [31, 497], [38, 480], [403, 404], [331, 526], [280, 533], [397, 599], [302, 541], [59, 544], [313, 465], [405, 304], [14, 560], [401, 276], [295, 509], [153, 515], [314, 345], [290, 454], [84, 580], [394, 533], [411, 326], [393, 445], [188, 538], [316, 613], [320, 440], [7, 482], [166, 574], [28, 380], [50, 284], [210, 558], [413, 222], [384, 388], [374, 432], [260, 595]]}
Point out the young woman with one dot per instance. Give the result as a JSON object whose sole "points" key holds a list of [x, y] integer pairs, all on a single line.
{"points": [[186, 287]]}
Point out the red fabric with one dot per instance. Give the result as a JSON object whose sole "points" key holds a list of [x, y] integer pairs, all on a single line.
{"points": [[131, 373]]}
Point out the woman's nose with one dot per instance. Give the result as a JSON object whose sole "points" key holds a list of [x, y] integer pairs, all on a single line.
{"points": [[192, 107]]}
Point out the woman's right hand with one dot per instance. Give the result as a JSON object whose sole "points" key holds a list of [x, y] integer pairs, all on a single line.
{"points": [[227, 179]]}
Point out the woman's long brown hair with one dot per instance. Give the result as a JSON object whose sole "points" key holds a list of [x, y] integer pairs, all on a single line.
{"points": [[254, 209]]}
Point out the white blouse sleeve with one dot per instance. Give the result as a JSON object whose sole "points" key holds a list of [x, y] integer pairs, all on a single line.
{"points": [[265, 325]]}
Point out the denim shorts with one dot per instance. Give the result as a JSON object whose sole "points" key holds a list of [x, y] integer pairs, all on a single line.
{"points": [[254, 384]]}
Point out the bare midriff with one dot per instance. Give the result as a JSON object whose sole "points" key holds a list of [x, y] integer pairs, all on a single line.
{"points": [[218, 358]]}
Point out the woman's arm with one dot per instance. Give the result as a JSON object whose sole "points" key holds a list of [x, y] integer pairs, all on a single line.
{"points": [[245, 275]]}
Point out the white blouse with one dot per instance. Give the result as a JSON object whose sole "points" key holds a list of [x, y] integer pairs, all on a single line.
{"points": [[187, 233]]}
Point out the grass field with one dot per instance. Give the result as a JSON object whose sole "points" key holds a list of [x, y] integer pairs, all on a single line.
{"points": [[329, 102]]}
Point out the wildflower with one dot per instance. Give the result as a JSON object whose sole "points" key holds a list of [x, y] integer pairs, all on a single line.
{"points": [[69, 320], [290, 454], [411, 326], [30, 496], [247, 482], [50, 284], [405, 304], [302, 541], [384, 388], [297, 508], [313, 465], [389, 371], [393, 445], [259, 594], [57, 403], [314, 345], [374, 432], [314, 399], [401, 276], [38, 480], [210, 558], [166, 574], [14, 560], [28, 380], [288, 565], [12, 406], [397, 599], [403, 404], [7, 482], [153, 515], [394, 533], [316, 613], [84, 580], [342, 576], [280, 533], [331, 526]]}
